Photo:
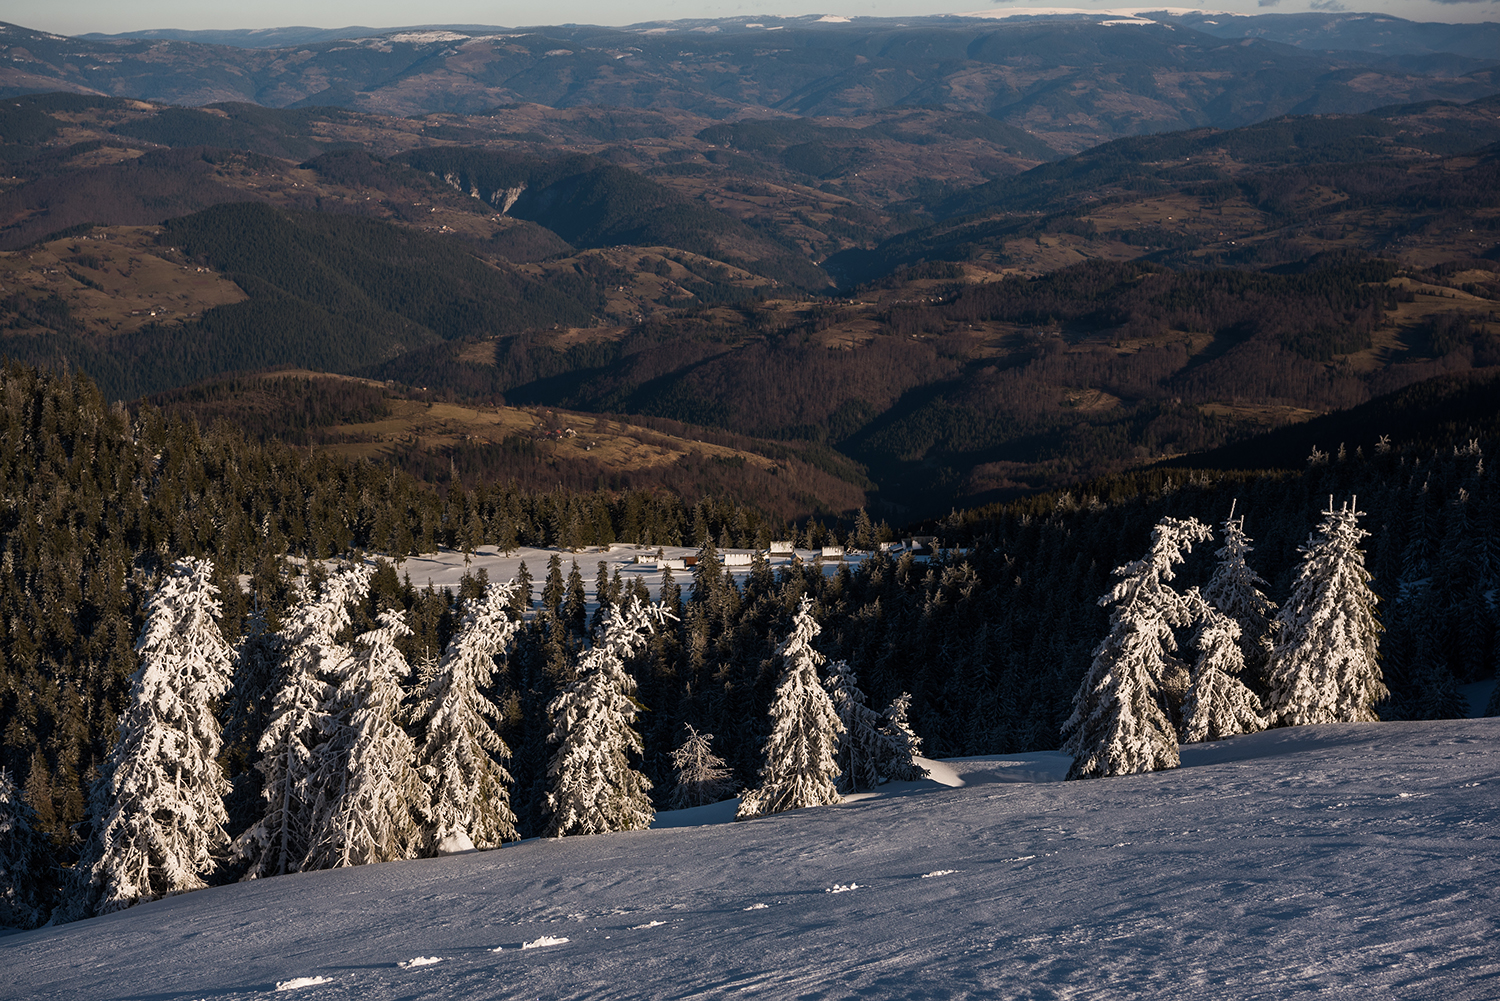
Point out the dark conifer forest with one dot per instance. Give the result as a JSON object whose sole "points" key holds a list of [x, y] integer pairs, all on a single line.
{"points": [[990, 636]]}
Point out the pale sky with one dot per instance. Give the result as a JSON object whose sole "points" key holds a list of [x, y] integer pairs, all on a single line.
{"points": [[80, 16]]}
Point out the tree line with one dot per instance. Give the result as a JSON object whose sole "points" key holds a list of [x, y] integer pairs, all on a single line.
{"points": [[989, 642]]}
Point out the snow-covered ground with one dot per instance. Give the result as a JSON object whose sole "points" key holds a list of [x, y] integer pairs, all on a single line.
{"points": [[1340, 861], [447, 568]]}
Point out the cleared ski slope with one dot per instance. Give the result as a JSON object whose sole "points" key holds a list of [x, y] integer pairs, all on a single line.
{"points": [[1343, 861]]}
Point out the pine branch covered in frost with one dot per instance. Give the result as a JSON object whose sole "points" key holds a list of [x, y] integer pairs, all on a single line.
{"points": [[1218, 704], [899, 743], [594, 787], [28, 876], [279, 841], [463, 759], [1236, 590], [702, 777], [1119, 725], [161, 790], [800, 768], [1325, 667], [368, 798], [860, 746]]}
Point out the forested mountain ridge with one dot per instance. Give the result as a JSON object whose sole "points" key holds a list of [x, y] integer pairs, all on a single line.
{"points": [[990, 641], [1004, 320]]}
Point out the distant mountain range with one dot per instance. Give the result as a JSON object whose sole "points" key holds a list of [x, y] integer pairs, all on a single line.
{"points": [[1073, 81], [1354, 32]]}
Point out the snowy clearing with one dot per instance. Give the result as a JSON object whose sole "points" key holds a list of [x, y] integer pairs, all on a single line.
{"points": [[1342, 861]]}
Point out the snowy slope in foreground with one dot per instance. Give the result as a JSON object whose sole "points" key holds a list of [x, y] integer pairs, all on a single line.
{"points": [[1344, 861]]}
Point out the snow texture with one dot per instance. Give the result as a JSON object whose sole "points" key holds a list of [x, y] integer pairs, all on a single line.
{"points": [[799, 769], [1119, 724], [1325, 667], [162, 787], [1338, 861]]}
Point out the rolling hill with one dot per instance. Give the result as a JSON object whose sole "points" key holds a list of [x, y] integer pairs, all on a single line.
{"points": [[1326, 859]]}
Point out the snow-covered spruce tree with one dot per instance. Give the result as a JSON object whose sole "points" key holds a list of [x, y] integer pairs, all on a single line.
{"points": [[278, 842], [860, 746], [702, 777], [1119, 724], [1236, 590], [161, 790], [594, 787], [462, 759], [800, 769], [899, 743], [368, 800], [28, 872], [1325, 667], [1218, 704]]}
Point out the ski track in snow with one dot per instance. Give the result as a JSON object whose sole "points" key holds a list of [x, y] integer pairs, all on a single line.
{"points": [[1278, 864]]}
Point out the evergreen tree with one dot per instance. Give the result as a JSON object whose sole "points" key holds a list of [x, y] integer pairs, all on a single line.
{"points": [[369, 799], [259, 662], [799, 769], [161, 789], [463, 758], [575, 602], [1236, 590], [279, 841], [553, 589], [899, 743], [1325, 667], [1218, 704], [1119, 723], [860, 746], [520, 603], [595, 789], [702, 777], [28, 872]]}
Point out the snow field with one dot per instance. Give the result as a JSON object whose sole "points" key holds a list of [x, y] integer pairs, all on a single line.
{"points": [[1284, 862], [446, 568]]}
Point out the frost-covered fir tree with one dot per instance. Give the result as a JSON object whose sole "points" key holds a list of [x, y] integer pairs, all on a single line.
{"points": [[800, 769], [368, 800], [1119, 725], [702, 777], [594, 787], [860, 746], [900, 745], [28, 872], [463, 759], [1236, 590], [279, 841], [1218, 704], [1325, 667], [161, 790]]}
